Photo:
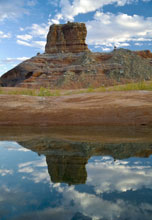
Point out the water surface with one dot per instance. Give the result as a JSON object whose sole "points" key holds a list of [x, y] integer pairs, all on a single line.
{"points": [[57, 178]]}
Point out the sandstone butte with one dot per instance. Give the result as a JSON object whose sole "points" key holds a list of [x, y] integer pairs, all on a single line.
{"points": [[68, 63]]}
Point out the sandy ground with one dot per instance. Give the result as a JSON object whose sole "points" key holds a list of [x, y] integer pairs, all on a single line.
{"points": [[108, 108]]}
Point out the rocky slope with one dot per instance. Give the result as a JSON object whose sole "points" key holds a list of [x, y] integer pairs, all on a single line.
{"points": [[68, 63]]}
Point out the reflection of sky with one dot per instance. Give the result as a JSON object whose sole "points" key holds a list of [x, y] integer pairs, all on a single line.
{"points": [[118, 189], [131, 174]]}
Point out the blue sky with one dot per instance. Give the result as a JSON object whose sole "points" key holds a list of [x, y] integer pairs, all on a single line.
{"points": [[24, 25]]}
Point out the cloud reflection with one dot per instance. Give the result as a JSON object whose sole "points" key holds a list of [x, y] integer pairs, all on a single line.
{"points": [[98, 208], [109, 175], [12, 146], [36, 170], [4, 172]]}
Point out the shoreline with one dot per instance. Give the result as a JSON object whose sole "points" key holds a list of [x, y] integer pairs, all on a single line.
{"points": [[124, 108], [91, 134]]}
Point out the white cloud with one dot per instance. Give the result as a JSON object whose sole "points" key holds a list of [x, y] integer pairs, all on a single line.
{"points": [[9, 10], [57, 18], [24, 43], [138, 44], [108, 29], [25, 37], [39, 30], [21, 29], [3, 35], [105, 49], [70, 10], [122, 44], [13, 60], [36, 44], [36, 31]]}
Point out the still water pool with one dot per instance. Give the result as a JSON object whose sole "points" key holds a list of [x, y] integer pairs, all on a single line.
{"points": [[47, 178]]}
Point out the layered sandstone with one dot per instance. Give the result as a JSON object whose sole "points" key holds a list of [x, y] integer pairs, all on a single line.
{"points": [[66, 38], [144, 53]]}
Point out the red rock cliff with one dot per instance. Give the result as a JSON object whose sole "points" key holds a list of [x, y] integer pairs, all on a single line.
{"points": [[65, 38]]}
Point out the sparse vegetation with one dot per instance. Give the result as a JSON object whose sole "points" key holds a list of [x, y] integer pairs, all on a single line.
{"points": [[44, 92], [31, 92], [126, 87], [90, 89], [132, 86], [48, 92]]}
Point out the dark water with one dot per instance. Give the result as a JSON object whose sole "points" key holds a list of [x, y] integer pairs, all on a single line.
{"points": [[45, 178]]}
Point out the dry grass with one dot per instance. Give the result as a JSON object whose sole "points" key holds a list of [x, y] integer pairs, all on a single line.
{"points": [[31, 92], [47, 92], [126, 87], [132, 86]]}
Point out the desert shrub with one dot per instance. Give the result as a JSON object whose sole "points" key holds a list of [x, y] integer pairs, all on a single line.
{"points": [[90, 89], [1, 91], [102, 89], [47, 92], [44, 92], [56, 93]]}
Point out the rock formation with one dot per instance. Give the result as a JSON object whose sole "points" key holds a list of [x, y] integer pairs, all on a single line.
{"points": [[67, 38], [144, 54], [68, 63]]}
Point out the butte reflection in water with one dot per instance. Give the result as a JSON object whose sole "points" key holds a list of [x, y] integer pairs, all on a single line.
{"points": [[66, 160]]}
